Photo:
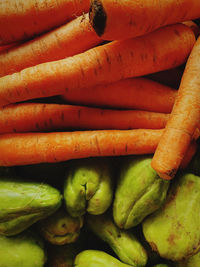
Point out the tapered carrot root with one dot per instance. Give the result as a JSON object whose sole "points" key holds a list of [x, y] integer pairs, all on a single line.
{"points": [[30, 117], [163, 49], [70, 39], [183, 121], [194, 26], [113, 20], [22, 19], [30, 148], [196, 134], [133, 93]]}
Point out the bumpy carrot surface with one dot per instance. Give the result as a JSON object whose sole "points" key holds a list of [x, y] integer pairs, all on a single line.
{"points": [[72, 38], [162, 49], [23, 19], [29, 117], [114, 20], [133, 93], [183, 121], [31, 148]]}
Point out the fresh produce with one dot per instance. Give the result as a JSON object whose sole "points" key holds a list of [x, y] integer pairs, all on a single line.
{"points": [[133, 93], [120, 20], [162, 49], [89, 91], [79, 144], [173, 230], [139, 192], [61, 146], [24, 202], [183, 121], [95, 258], [193, 261], [193, 25], [125, 245], [31, 117], [23, 250], [22, 19], [60, 228], [88, 187], [57, 44]]}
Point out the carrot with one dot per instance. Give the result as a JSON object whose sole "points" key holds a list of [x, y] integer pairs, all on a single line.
{"points": [[131, 93], [31, 148], [29, 117], [113, 20], [183, 120], [72, 38], [194, 26], [163, 49], [24, 19], [196, 134]]}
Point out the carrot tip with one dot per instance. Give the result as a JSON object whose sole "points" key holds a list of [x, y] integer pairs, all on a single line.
{"points": [[97, 16], [167, 176]]}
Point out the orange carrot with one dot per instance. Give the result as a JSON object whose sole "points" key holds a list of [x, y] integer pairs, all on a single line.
{"points": [[22, 19], [194, 26], [196, 134], [29, 117], [132, 93], [163, 49], [67, 40], [114, 20], [30, 148], [183, 120]]}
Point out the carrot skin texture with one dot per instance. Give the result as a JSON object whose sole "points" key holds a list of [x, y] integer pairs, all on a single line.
{"points": [[183, 120], [114, 20], [163, 49], [29, 117], [194, 26], [72, 38], [22, 19], [31, 148], [133, 93]]}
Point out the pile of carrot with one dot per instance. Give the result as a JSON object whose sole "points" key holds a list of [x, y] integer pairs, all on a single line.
{"points": [[99, 78]]}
